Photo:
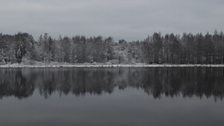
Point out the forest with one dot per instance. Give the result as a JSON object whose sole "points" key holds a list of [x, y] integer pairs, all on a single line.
{"points": [[171, 48]]}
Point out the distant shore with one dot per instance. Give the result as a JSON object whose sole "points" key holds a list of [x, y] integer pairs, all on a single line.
{"points": [[106, 65]]}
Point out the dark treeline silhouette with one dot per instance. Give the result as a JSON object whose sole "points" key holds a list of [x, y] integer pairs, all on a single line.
{"points": [[169, 48], [169, 82]]}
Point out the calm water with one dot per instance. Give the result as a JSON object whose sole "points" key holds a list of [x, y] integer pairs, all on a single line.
{"points": [[112, 97]]}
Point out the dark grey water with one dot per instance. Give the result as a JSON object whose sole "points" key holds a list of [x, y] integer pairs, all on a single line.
{"points": [[112, 97]]}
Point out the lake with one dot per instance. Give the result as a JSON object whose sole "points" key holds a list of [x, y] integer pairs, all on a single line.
{"points": [[112, 96]]}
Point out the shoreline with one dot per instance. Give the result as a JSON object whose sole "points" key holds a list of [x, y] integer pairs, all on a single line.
{"points": [[111, 65]]}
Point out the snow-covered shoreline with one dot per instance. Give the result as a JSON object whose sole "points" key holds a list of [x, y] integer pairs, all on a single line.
{"points": [[106, 65]]}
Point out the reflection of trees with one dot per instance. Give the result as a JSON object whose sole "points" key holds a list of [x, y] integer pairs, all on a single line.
{"points": [[14, 83], [171, 82]]}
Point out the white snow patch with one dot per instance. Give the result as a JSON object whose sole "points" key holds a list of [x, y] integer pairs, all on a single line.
{"points": [[66, 65]]}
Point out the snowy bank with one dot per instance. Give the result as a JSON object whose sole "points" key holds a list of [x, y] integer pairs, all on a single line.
{"points": [[54, 65]]}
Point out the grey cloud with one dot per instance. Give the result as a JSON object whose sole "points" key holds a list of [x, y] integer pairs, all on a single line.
{"points": [[128, 19]]}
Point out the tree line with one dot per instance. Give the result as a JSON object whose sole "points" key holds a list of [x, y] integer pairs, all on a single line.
{"points": [[187, 48]]}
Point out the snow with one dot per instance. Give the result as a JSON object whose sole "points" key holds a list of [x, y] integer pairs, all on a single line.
{"points": [[66, 65]]}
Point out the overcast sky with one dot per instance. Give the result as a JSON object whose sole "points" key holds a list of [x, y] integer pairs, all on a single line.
{"points": [[121, 19]]}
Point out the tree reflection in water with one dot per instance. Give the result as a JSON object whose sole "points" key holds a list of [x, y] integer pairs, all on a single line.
{"points": [[169, 82]]}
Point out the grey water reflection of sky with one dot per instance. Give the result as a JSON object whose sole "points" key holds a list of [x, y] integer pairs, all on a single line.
{"points": [[128, 19]]}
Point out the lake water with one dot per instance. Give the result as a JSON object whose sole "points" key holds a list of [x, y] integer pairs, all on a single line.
{"points": [[112, 97]]}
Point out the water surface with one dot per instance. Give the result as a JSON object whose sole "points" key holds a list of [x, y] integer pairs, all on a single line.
{"points": [[112, 96]]}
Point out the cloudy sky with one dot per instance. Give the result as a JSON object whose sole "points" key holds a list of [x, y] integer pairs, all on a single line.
{"points": [[121, 19]]}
